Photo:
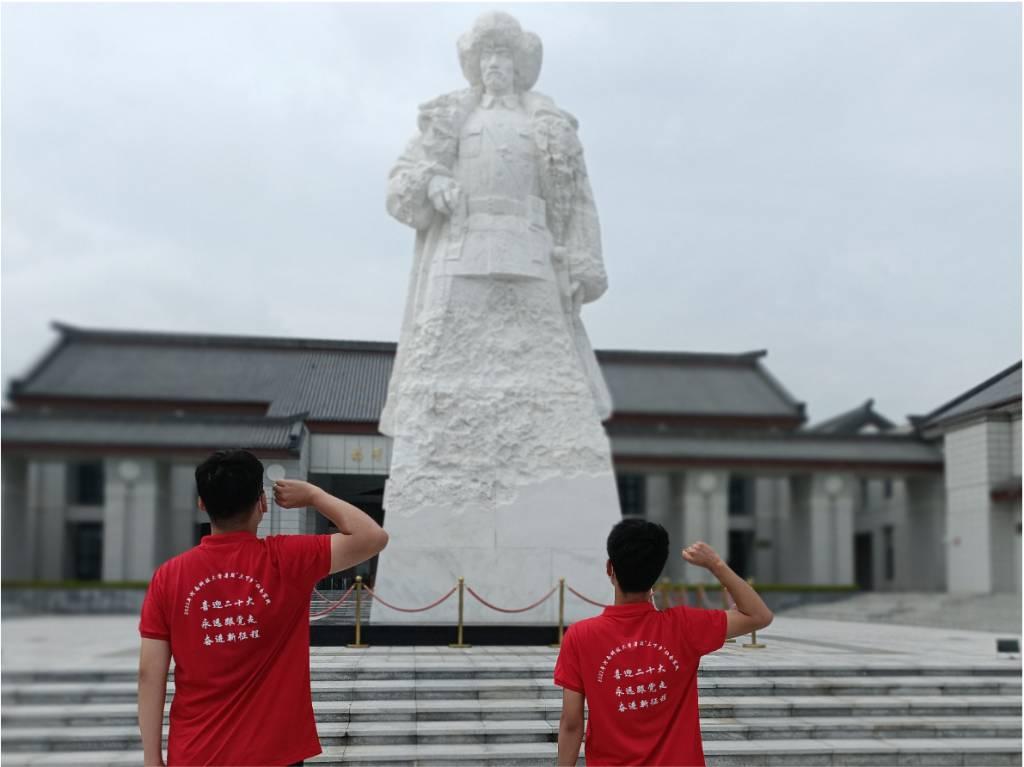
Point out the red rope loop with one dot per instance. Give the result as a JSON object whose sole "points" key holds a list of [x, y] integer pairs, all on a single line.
{"points": [[333, 607], [585, 599], [411, 609], [484, 602]]}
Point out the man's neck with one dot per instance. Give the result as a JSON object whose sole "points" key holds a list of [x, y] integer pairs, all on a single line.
{"points": [[622, 598]]}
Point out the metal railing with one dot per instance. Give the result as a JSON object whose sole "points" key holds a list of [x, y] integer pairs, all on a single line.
{"points": [[664, 590]]}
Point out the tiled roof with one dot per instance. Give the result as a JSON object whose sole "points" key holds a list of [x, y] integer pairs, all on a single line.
{"points": [[1001, 389], [152, 431], [853, 421], [346, 381]]}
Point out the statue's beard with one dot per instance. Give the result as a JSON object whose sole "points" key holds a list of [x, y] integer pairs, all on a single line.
{"points": [[497, 83]]}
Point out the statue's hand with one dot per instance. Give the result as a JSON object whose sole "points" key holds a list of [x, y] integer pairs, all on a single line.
{"points": [[444, 194]]}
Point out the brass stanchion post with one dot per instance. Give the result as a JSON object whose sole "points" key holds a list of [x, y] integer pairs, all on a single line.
{"points": [[358, 644], [459, 644], [725, 606], [753, 643], [561, 612]]}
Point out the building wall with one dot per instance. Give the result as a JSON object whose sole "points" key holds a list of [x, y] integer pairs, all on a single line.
{"points": [[984, 545]]}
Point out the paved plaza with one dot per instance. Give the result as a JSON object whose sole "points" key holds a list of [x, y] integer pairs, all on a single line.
{"points": [[821, 692]]}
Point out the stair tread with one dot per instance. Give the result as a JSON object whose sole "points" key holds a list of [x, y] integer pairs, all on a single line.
{"points": [[466, 752]]}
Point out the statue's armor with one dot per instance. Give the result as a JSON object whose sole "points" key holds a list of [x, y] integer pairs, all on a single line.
{"points": [[500, 226]]}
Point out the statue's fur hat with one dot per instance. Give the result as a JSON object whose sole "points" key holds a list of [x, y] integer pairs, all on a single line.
{"points": [[497, 28]]}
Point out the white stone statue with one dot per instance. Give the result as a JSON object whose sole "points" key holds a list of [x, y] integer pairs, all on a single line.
{"points": [[496, 400]]}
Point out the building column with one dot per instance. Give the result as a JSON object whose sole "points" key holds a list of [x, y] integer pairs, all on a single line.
{"points": [[129, 519], [181, 509], [658, 507], [17, 555], [705, 498], [925, 549], [768, 500], [831, 529], [47, 502]]}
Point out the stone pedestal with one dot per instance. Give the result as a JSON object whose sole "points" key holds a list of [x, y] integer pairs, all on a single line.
{"points": [[511, 554]]}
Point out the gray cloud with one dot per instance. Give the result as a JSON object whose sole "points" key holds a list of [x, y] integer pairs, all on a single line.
{"points": [[839, 184]]}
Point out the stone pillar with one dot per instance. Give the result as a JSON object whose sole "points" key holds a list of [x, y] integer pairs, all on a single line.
{"points": [[831, 529], [768, 498], [129, 519], [47, 503], [181, 508], [926, 524], [705, 498], [658, 492]]}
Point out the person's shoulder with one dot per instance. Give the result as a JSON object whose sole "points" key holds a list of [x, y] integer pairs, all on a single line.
{"points": [[542, 105]]}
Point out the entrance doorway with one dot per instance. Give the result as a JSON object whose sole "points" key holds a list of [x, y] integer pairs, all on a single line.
{"points": [[366, 491], [864, 561], [741, 552]]}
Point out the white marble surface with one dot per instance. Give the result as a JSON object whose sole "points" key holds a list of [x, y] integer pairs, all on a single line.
{"points": [[511, 556]]}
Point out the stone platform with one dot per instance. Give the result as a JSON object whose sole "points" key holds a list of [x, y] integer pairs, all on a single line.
{"points": [[821, 692]]}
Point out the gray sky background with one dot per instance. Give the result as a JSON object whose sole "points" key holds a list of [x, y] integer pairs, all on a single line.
{"points": [[838, 184]]}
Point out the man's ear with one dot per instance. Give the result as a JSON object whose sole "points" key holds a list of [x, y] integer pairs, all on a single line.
{"points": [[263, 504], [202, 506], [610, 570]]}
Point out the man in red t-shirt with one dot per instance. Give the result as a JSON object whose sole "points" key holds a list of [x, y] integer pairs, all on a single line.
{"points": [[635, 666], [234, 614]]}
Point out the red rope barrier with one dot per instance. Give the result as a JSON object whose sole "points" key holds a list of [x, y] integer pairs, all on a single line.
{"points": [[484, 602], [585, 599], [333, 607], [412, 609]]}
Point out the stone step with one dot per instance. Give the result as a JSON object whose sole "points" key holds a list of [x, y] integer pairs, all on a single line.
{"points": [[723, 707], [749, 753], [468, 689], [494, 667], [41, 739]]}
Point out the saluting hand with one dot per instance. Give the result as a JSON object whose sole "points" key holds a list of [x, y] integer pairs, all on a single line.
{"points": [[294, 493], [702, 555]]}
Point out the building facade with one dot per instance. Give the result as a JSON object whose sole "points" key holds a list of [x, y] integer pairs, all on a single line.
{"points": [[102, 435]]}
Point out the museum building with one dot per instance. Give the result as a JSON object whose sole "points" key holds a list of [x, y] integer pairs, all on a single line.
{"points": [[102, 435]]}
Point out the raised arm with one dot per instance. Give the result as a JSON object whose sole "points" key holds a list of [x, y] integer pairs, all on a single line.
{"points": [[750, 612], [360, 537]]}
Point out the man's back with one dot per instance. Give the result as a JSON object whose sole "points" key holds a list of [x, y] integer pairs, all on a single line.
{"points": [[637, 668], [235, 610]]}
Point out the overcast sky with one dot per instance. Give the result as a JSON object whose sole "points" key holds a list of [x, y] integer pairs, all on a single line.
{"points": [[837, 184]]}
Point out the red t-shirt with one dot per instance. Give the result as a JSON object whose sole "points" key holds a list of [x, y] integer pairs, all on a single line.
{"points": [[235, 610], [637, 668]]}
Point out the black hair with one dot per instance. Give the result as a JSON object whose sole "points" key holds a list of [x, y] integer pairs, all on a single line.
{"points": [[638, 550], [229, 482]]}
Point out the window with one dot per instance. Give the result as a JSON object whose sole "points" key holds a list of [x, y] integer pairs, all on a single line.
{"points": [[739, 495], [631, 494], [85, 483], [887, 488], [890, 552], [86, 540]]}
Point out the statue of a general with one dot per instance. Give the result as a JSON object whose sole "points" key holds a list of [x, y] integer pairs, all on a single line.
{"points": [[495, 386]]}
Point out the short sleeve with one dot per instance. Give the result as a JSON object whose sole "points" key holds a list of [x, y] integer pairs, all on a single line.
{"points": [[567, 667], [304, 559], [702, 631], [153, 623]]}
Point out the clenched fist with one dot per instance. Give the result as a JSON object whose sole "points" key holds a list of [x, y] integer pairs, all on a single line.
{"points": [[294, 493], [702, 555]]}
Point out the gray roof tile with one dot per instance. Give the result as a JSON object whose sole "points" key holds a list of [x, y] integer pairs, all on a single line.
{"points": [[347, 380]]}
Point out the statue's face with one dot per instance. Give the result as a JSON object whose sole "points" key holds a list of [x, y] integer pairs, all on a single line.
{"points": [[497, 70]]}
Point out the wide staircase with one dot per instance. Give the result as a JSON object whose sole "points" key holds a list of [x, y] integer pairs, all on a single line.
{"points": [[497, 706]]}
